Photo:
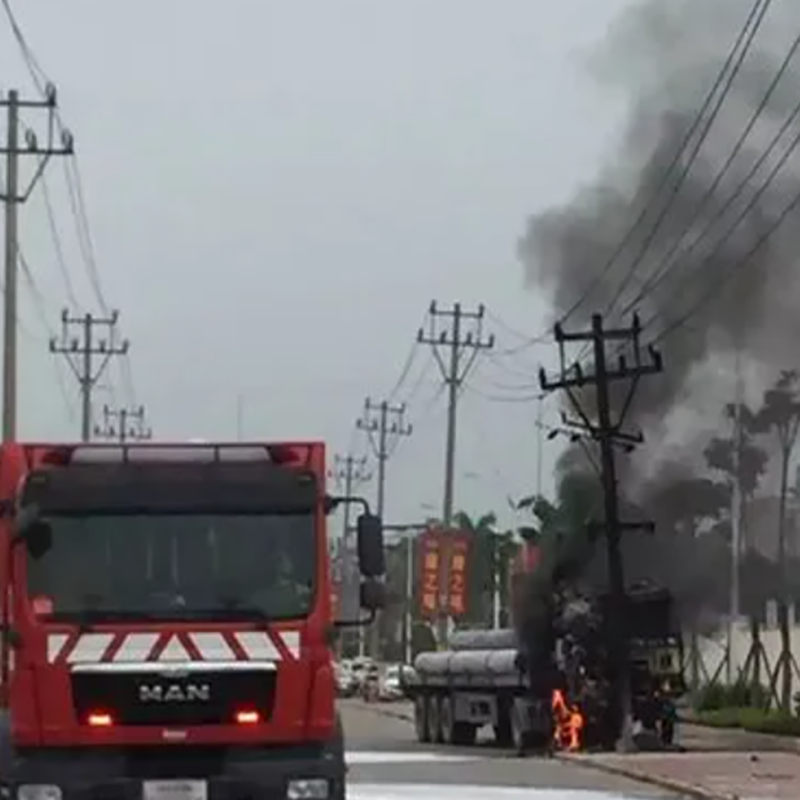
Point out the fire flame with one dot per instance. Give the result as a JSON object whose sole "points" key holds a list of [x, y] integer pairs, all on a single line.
{"points": [[568, 723]]}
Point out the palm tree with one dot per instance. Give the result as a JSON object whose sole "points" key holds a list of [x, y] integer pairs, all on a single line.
{"points": [[780, 413]]}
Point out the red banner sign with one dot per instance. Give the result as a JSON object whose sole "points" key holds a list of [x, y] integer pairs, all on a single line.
{"points": [[458, 558], [430, 550]]}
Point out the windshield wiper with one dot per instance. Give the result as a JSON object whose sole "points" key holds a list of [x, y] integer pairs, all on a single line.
{"points": [[87, 618]]}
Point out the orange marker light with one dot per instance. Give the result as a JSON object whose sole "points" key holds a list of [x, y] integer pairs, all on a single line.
{"points": [[100, 720], [248, 717]]}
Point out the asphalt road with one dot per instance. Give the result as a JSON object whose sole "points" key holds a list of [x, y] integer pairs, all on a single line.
{"points": [[386, 762]]}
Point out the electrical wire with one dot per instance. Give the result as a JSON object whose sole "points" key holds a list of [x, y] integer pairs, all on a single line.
{"points": [[732, 66], [669, 261], [74, 182], [713, 289], [727, 73], [55, 235], [744, 37]]}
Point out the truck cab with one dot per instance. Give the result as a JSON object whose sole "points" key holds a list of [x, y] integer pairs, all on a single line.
{"points": [[167, 622]]}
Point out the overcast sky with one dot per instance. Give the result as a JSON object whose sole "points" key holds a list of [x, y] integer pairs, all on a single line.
{"points": [[276, 192]]}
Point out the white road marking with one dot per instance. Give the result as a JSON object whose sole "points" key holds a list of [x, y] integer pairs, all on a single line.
{"points": [[402, 757], [443, 791]]}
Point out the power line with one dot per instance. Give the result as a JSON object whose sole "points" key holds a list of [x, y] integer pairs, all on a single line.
{"points": [[756, 15], [742, 42], [14, 196], [80, 352], [668, 263], [123, 425], [714, 288]]}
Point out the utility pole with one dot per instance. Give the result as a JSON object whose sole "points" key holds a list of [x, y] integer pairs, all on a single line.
{"points": [[384, 424], [14, 196], [80, 352], [736, 514], [349, 472], [456, 345], [123, 424], [608, 434]]}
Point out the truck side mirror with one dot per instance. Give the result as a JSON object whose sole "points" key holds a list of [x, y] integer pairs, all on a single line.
{"points": [[372, 595], [371, 557], [34, 531]]}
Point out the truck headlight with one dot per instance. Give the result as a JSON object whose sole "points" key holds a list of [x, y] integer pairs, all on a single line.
{"points": [[38, 791], [300, 789]]}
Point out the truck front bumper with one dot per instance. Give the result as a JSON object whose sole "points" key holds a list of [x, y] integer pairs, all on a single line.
{"points": [[268, 775]]}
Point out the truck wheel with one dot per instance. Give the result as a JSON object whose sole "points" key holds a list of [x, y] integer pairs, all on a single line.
{"points": [[434, 720], [454, 732], [421, 712], [502, 730], [519, 736], [447, 722], [464, 734]]}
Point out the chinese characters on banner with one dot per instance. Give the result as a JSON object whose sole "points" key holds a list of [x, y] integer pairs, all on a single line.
{"points": [[440, 549], [458, 556], [430, 570]]}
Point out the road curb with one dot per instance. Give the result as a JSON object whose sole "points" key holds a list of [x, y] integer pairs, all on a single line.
{"points": [[641, 776], [388, 712]]}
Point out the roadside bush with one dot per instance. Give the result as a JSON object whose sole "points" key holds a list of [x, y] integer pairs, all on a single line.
{"points": [[715, 697], [754, 720]]}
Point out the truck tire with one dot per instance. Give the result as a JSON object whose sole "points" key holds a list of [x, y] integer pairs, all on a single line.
{"points": [[421, 711], [454, 732], [520, 738], [502, 730], [338, 748], [434, 720]]}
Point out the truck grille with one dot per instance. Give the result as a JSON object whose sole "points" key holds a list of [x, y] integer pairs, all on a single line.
{"points": [[169, 698]]}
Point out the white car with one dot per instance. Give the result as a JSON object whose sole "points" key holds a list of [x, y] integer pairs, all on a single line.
{"points": [[391, 685]]}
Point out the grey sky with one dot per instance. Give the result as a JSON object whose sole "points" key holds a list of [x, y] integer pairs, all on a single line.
{"points": [[278, 189]]}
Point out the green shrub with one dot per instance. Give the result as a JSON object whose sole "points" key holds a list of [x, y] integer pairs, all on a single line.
{"points": [[740, 695], [720, 717], [774, 722], [754, 720]]}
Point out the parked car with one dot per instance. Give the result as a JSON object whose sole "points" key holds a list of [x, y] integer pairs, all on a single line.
{"points": [[346, 681]]}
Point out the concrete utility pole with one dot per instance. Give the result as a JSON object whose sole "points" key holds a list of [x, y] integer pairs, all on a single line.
{"points": [[123, 424], [349, 473], [80, 352], [608, 434], [736, 515], [14, 196], [384, 424], [455, 347]]}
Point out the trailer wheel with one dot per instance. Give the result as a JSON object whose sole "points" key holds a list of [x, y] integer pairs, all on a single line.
{"points": [[434, 720], [421, 713], [454, 732], [464, 734], [502, 730], [447, 721], [519, 736]]}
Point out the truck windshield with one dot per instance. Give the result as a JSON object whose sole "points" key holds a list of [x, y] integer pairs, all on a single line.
{"points": [[193, 566]]}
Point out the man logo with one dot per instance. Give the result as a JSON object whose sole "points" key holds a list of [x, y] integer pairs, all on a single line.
{"points": [[175, 693]]}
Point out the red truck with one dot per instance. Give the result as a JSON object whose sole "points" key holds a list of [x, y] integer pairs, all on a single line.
{"points": [[167, 622]]}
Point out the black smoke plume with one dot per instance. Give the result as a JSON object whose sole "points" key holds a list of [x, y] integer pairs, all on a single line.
{"points": [[667, 56]]}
